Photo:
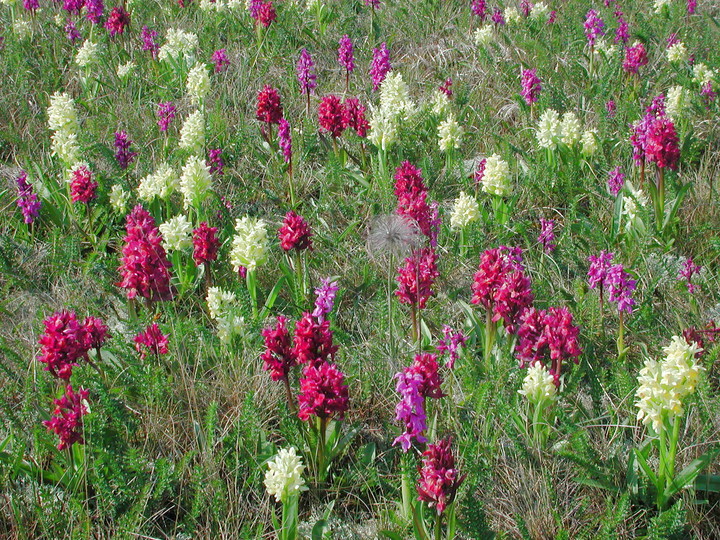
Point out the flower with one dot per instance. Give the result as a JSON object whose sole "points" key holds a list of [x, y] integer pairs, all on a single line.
{"points": [[662, 145], [221, 307], [177, 43], [266, 13], [450, 343], [677, 52], [395, 96], [496, 178], [665, 384], [616, 180], [67, 417], [380, 65], [220, 59], [96, 333], [313, 341], [549, 130], [621, 287], [144, 266], [64, 343], [118, 20], [548, 337], [439, 479], [538, 386], [678, 99], [295, 233], [123, 70], [411, 193], [195, 182], [547, 235], [323, 392], [325, 298], [540, 12], [198, 83], [166, 114], [176, 233], [192, 133], [530, 86], [622, 32], [331, 114], [306, 72], [205, 244], [498, 18], [283, 478], [484, 36], [594, 26], [688, 270], [501, 286], [279, 356], [479, 9], [511, 15], [449, 134], [269, 109], [701, 74], [417, 277], [635, 58], [345, 54], [27, 200], [383, 128], [122, 144], [62, 115], [598, 272], [589, 142], [87, 54], [215, 161], [354, 116], [151, 340], [410, 410], [148, 41], [250, 244], [71, 31], [119, 198], [82, 186], [162, 183], [465, 211], [570, 129]]}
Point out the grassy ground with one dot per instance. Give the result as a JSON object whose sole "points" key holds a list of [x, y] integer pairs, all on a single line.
{"points": [[176, 447]]}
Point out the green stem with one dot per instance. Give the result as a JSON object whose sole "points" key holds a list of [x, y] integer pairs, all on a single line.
{"points": [[621, 337], [390, 306], [438, 527], [490, 333], [250, 280]]}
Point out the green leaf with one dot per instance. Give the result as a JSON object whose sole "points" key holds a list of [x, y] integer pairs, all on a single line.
{"points": [[419, 529], [645, 467], [708, 482], [688, 474]]}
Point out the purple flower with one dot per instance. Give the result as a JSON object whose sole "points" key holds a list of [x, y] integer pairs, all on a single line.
{"points": [[530, 86], [610, 107], [325, 298], [148, 38], [306, 72], [73, 6], [345, 54], [165, 114], [410, 410], [285, 140], [380, 65], [27, 201], [450, 343], [621, 288], [657, 106], [707, 92], [446, 87], [599, 266], [525, 7], [479, 9], [94, 10], [594, 27], [635, 58], [220, 59], [215, 161], [547, 234], [374, 4], [688, 270], [123, 155], [480, 171], [498, 18], [691, 6], [31, 5], [71, 31], [616, 181], [622, 33]]}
